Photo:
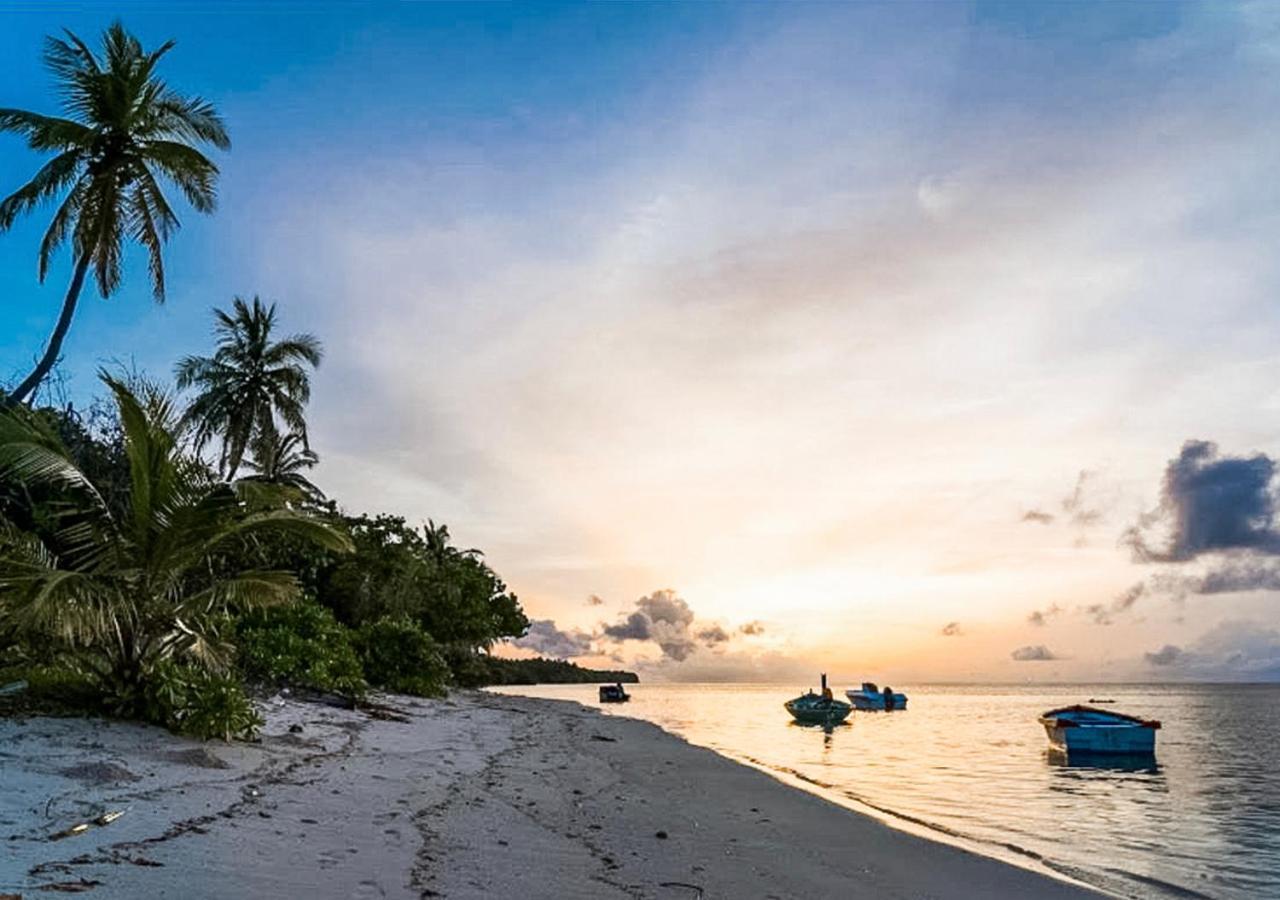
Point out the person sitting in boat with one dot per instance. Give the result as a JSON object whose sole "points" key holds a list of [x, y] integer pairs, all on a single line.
{"points": [[888, 698]]}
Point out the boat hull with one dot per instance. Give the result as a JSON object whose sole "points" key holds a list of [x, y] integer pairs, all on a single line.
{"points": [[1134, 740], [874, 702], [807, 714], [1083, 730]]}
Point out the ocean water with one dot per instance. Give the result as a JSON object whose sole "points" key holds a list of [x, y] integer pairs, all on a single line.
{"points": [[970, 764]]}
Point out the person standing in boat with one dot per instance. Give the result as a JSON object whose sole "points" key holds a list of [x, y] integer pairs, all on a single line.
{"points": [[888, 699]]}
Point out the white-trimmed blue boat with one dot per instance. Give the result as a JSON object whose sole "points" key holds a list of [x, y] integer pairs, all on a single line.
{"points": [[870, 698], [1087, 730]]}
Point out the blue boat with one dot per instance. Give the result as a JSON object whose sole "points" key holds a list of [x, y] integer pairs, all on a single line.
{"points": [[1088, 730], [869, 698]]}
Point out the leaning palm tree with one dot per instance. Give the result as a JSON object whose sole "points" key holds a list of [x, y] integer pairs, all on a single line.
{"points": [[283, 459], [120, 589], [248, 382], [124, 131]]}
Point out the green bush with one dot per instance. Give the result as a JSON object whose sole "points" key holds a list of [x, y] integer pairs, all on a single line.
{"points": [[51, 689], [300, 645], [196, 702], [468, 667], [399, 656]]}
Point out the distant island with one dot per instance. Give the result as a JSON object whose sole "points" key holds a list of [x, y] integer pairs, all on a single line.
{"points": [[546, 671]]}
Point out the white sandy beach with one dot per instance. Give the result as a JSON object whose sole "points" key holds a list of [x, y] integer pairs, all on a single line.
{"points": [[476, 796]]}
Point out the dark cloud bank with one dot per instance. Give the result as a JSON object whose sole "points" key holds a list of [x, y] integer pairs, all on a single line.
{"points": [[1033, 653], [1216, 510], [1213, 504], [662, 618], [1232, 650], [545, 638]]}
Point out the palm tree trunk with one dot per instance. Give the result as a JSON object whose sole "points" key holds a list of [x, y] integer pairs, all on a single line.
{"points": [[54, 349]]}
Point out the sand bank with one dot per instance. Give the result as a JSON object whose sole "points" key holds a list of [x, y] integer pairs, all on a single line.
{"points": [[476, 796]]}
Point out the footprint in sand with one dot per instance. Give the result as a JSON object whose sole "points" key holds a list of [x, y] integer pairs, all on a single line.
{"points": [[368, 889]]}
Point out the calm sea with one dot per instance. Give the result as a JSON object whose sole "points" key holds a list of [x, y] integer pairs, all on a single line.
{"points": [[970, 764]]}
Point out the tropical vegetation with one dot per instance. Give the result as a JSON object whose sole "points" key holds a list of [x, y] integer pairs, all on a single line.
{"points": [[164, 551], [117, 586]]}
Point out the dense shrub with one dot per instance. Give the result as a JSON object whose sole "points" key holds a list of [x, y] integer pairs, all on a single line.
{"points": [[302, 645], [399, 656], [196, 702], [397, 570], [51, 689]]}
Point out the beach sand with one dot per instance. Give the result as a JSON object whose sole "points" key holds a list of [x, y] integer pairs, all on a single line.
{"points": [[476, 796]]}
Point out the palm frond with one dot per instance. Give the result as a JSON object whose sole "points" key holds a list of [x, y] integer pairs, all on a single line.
{"points": [[193, 172], [53, 176], [45, 133]]}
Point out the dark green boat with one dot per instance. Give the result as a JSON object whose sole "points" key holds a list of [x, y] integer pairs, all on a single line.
{"points": [[818, 709]]}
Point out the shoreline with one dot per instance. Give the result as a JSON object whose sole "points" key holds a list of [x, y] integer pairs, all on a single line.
{"points": [[480, 795]]}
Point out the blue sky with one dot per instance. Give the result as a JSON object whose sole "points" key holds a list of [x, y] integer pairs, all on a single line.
{"points": [[313, 84], [788, 312]]}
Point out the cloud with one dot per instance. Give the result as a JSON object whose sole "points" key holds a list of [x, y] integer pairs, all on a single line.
{"points": [[1040, 618], [752, 628], [1210, 504], [545, 638], [1105, 613], [661, 617], [594, 600], [1165, 656], [635, 627], [951, 629], [1080, 508], [712, 635], [1236, 650], [1240, 575], [1033, 653], [1076, 505]]}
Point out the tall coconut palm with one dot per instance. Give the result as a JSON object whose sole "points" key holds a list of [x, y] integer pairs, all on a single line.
{"points": [[248, 382], [124, 131], [121, 590], [283, 459]]}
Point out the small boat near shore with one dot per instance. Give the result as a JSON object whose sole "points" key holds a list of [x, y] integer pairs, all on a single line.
{"points": [[1086, 730], [818, 709], [870, 698], [613, 693]]}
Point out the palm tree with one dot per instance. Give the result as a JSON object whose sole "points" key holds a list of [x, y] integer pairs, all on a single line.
{"points": [[248, 382], [282, 459], [124, 130], [122, 590]]}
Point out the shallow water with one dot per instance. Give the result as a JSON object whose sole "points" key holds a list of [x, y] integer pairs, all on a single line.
{"points": [[971, 762]]}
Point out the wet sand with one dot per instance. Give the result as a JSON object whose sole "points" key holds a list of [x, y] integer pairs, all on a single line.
{"points": [[478, 796]]}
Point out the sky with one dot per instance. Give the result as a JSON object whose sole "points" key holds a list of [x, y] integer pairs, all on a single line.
{"points": [[905, 342]]}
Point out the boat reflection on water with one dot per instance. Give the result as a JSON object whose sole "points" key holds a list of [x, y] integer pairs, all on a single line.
{"points": [[827, 728], [1104, 762]]}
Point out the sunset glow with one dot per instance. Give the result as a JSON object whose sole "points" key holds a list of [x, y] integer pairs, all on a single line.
{"points": [[854, 325]]}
